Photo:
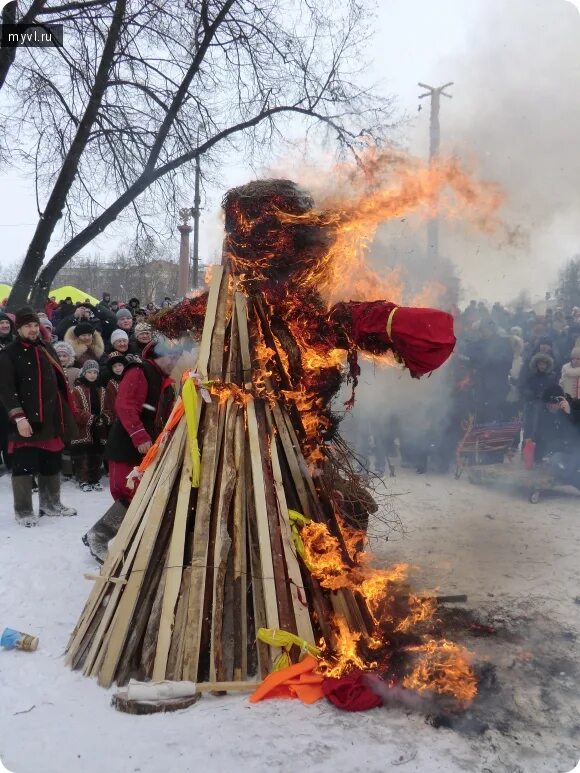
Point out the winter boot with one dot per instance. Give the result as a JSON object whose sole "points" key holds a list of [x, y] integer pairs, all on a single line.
{"points": [[49, 496], [98, 537], [22, 491]]}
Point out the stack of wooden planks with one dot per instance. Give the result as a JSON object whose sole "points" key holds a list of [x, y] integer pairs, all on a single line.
{"points": [[194, 572]]}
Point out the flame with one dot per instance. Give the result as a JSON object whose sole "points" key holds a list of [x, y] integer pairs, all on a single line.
{"points": [[397, 616], [444, 668]]}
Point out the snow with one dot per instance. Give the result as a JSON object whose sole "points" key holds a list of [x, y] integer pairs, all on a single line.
{"points": [[517, 562]]}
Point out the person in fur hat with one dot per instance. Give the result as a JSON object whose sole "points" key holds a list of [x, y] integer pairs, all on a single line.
{"points": [[570, 380], [36, 396], [66, 356], [92, 422], [540, 376], [116, 366], [86, 342]]}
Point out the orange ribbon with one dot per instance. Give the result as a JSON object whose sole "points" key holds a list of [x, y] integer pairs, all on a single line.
{"points": [[297, 681]]}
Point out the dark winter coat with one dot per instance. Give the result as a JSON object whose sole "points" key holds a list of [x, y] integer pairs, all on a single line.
{"points": [[536, 382], [34, 386], [103, 320], [144, 402], [5, 340]]}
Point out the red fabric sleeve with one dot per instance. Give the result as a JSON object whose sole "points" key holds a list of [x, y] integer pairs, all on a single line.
{"points": [[130, 400]]}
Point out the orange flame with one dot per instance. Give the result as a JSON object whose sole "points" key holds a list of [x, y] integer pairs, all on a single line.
{"points": [[442, 666]]}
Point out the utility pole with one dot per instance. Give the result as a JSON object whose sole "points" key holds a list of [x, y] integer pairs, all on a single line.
{"points": [[184, 229], [195, 213], [435, 93]]}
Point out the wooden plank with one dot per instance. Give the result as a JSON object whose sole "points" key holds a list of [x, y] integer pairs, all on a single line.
{"points": [[216, 357], [223, 542], [292, 455], [126, 608], [174, 570], [120, 556], [175, 659], [241, 306], [263, 651], [240, 564], [200, 540], [285, 611], [297, 591], [261, 514], [209, 320]]}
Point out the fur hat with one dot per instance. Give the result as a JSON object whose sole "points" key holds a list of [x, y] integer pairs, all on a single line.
{"points": [[124, 313], [63, 346], [25, 315], [117, 357], [575, 353], [142, 327], [83, 328], [541, 357], [118, 335], [89, 365]]}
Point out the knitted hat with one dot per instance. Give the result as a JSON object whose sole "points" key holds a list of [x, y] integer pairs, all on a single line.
{"points": [[46, 323], [142, 327], [25, 315], [575, 353], [119, 335], [89, 365], [83, 328], [124, 313], [63, 346]]}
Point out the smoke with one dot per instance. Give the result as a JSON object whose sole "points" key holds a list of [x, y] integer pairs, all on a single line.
{"points": [[515, 113]]}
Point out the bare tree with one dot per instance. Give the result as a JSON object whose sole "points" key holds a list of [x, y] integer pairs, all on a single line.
{"points": [[142, 88]]}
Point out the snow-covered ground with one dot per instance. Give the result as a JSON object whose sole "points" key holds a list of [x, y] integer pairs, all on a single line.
{"points": [[519, 564]]}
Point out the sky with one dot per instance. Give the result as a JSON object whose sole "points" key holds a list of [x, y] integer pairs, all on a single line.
{"points": [[514, 118]]}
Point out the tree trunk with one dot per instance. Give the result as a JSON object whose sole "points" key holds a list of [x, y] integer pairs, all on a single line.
{"points": [[53, 211]]}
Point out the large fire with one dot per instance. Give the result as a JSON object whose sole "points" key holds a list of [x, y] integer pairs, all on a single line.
{"points": [[400, 621], [294, 260]]}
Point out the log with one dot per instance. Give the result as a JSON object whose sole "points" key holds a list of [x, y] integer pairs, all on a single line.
{"points": [[125, 610], [222, 542], [174, 570], [240, 622]]}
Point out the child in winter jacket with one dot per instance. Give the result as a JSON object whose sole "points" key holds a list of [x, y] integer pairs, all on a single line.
{"points": [[92, 422], [66, 356], [570, 381], [117, 364]]}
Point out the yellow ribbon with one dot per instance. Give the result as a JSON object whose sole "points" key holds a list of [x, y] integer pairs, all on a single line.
{"points": [[390, 323], [297, 520], [190, 407], [286, 640]]}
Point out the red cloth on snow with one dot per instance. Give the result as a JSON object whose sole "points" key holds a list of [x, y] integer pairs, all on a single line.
{"points": [[423, 338], [351, 692]]}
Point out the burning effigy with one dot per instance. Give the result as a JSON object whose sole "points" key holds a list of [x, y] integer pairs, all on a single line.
{"points": [[243, 550]]}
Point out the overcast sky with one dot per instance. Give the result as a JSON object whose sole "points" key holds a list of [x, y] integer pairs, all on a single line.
{"points": [[515, 114]]}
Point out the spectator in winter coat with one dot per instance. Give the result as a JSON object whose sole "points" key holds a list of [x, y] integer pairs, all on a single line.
{"points": [[92, 422], [66, 356], [151, 308], [117, 365], [7, 336], [144, 402], [50, 306], [120, 342], [134, 305], [539, 377], [87, 343], [125, 320], [570, 381], [35, 393], [7, 332], [143, 336]]}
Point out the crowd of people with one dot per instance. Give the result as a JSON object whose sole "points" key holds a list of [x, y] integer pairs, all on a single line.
{"points": [[509, 367], [85, 390]]}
